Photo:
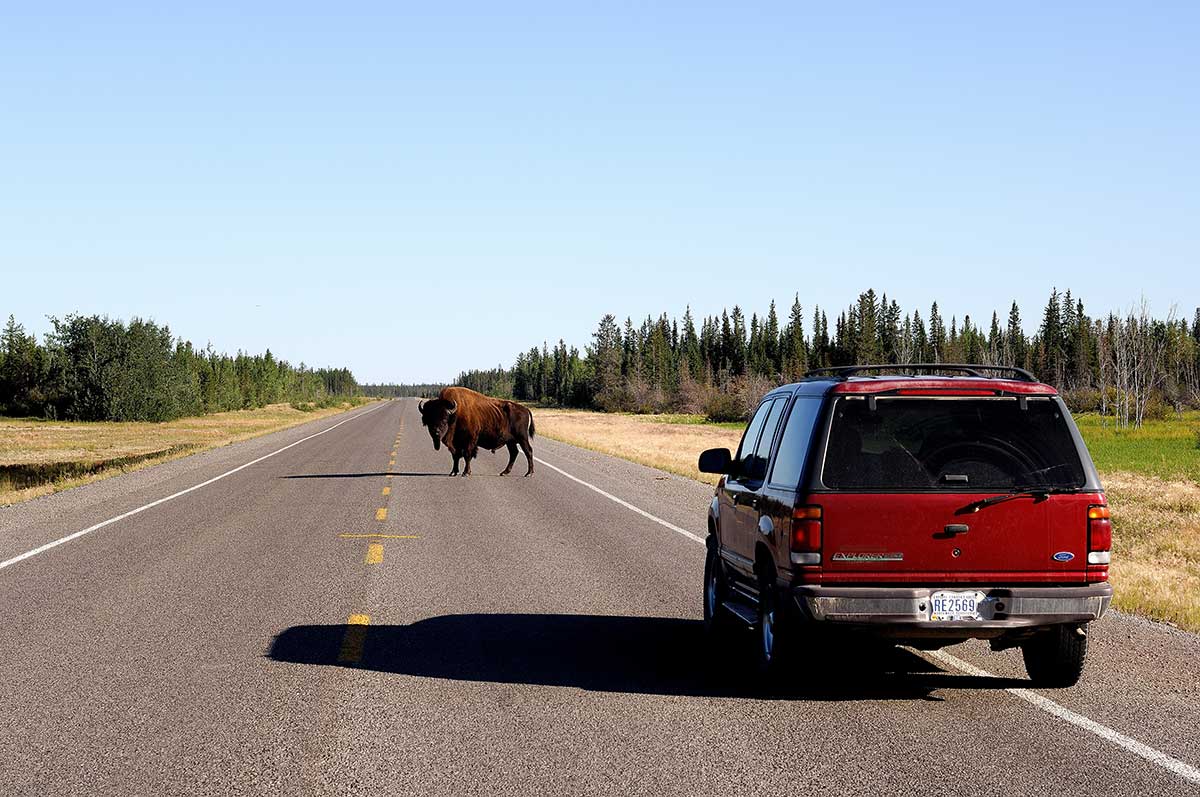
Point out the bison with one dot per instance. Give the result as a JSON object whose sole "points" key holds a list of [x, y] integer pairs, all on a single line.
{"points": [[466, 421]]}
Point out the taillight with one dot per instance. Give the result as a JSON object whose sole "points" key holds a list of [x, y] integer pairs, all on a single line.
{"points": [[805, 541], [1099, 535]]}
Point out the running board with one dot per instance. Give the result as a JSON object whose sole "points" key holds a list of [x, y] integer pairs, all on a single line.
{"points": [[744, 592], [741, 611]]}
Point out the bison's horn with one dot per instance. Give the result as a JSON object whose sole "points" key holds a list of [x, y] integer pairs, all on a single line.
{"points": [[421, 407], [453, 408]]}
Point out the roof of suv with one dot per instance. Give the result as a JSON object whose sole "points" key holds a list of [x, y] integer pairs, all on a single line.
{"points": [[970, 385]]}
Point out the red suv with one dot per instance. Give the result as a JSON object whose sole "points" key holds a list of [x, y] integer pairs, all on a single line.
{"points": [[924, 509]]}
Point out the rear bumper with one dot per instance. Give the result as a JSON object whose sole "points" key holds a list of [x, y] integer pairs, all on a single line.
{"points": [[907, 608]]}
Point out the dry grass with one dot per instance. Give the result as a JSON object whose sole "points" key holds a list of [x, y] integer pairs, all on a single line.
{"points": [[667, 445], [1156, 557], [78, 452], [1156, 547]]}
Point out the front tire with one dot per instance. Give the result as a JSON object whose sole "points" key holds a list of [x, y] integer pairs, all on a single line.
{"points": [[717, 621], [1054, 658]]}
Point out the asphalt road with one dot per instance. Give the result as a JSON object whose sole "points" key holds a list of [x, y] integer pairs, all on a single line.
{"points": [[500, 636]]}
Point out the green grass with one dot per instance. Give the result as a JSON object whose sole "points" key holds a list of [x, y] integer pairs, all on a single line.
{"points": [[1168, 448]]}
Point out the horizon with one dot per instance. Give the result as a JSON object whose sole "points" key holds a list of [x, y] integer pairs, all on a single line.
{"points": [[1030, 325]]}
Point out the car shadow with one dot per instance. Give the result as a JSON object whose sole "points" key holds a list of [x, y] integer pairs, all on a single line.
{"points": [[643, 655]]}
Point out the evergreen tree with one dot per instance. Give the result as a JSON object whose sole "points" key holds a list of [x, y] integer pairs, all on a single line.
{"points": [[889, 329], [757, 350], [771, 339], [725, 362], [794, 349], [866, 346], [937, 335], [921, 352], [1014, 339], [689, 344], [1083, 354], [605, 355], [630, 357], [995, 341], [1050, 340], [23, 374], [737, 353]]}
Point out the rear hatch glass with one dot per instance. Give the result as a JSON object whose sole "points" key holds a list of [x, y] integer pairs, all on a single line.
{"points": [[903, 480], [950, 444]]}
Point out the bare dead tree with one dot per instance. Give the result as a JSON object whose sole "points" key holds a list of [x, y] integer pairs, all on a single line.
{"points": [[1104, 362], [906, 345]]}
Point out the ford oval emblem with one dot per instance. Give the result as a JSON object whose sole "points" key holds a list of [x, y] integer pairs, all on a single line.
{"points": [[1063, 556]]}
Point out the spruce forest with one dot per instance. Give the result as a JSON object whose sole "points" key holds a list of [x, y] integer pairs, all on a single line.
{"points": [[1130, 366]]}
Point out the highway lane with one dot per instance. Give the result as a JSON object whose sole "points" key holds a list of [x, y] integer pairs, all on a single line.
{"points": [[521, 636]]}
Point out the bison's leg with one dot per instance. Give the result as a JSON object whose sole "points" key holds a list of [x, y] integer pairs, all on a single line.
{"points": [[512, 457], [468, 456], [455, 471], [528, 449]]}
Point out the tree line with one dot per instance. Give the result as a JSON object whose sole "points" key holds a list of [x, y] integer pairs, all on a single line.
{"points": [[402, 390], [1128, 365], [91, 368]]}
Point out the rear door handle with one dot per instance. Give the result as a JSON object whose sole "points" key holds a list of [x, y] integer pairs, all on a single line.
{"points": [[957, 528]]}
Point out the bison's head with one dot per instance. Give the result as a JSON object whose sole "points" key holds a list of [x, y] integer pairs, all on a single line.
{"points": [[437, 415]]}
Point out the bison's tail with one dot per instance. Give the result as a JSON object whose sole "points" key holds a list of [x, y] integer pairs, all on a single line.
{"points": [[531, 429]]}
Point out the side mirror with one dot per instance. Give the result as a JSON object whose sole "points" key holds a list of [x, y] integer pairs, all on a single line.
{"points": [[716, 460]]}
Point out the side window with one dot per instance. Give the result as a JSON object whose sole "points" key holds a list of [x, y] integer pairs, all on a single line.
{"points": [[754, 467], [793, 448], [750, 438]]}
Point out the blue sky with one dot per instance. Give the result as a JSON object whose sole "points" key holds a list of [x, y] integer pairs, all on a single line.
{"points": [[413, 189]]}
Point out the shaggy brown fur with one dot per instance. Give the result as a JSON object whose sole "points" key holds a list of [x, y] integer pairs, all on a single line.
{"points": [[467, 421]]}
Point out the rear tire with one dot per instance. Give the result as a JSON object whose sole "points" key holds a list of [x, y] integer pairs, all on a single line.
{"points": [[1054, 658], [772, 635], [717, 620]]}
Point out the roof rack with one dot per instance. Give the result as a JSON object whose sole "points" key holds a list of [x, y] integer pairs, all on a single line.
{"points": [[847, 371]]}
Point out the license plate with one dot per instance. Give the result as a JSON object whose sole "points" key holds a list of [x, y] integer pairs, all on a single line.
{"points": [[948, 605]]}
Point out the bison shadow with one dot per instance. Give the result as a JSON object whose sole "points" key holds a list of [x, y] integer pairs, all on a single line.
{"points": [[641, 655], [374, 474]]}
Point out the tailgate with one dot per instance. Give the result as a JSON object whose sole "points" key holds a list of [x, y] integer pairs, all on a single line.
{"points": [[914, 538]]}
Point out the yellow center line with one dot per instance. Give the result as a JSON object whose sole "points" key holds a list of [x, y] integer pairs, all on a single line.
{"points": [[381, 513], [374, 553], [391, 462], [353, 639], [387, 490], [380, 536]]}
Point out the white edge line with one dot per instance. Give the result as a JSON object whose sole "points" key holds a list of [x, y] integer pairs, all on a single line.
{"points": [[1174, 765], [173, 496], [625, 504], [1170, 763]]}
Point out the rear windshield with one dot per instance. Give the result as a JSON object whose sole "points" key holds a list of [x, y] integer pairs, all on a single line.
{"points": [[950, 443]]}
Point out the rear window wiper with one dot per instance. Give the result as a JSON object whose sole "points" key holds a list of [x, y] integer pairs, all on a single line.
{"points": [[1034, 491]]}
